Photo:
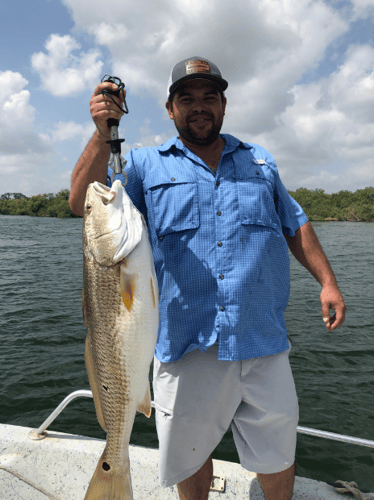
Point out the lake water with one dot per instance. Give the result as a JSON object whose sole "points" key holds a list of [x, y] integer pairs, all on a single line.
{"points": [[42, 344]]}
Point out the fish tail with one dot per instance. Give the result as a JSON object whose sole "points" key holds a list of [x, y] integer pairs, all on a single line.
{"points": [[109, 483]]}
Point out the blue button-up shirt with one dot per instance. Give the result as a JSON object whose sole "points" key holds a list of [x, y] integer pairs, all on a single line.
{"points": [[220, 256]]}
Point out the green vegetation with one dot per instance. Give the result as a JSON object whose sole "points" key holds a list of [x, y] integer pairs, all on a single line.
{"points": [[343, 206], [319, 206], [42, 205]]}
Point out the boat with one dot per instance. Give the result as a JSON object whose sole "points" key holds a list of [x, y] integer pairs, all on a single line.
{"points": [[40, 464]]}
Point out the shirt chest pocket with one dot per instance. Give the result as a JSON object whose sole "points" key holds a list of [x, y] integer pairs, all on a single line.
{"points": [[173, 204], [256, 202]]}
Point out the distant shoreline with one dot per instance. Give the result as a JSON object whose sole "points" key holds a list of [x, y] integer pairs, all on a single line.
{"points": [[311, 219], [333, 219], [344, 206]]}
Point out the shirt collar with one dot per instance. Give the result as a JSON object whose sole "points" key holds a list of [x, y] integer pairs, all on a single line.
{"points": [[174, 142], [231, 143]]}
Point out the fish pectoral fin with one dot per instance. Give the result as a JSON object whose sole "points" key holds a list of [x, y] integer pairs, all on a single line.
{"points": [[145, 406], [127, 284], [90, 367]]}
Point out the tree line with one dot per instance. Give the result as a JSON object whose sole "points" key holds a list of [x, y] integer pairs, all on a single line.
{"points": [[345, 205], [41, 205], [318, 205]]}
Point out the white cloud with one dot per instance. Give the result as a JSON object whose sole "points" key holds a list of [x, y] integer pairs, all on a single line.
{"points": [[22, 150], [362, 8], [17, 134], [256, 104], [330, 118], [108, 33], [26, 174], [70, 131], [64, 73], [14, 100], [264, 48], [244, 38], [352, 86], [147, 138]]}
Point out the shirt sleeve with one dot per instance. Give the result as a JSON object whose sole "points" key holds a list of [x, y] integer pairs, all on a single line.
{"points": [[291, 214], [134, 186]]}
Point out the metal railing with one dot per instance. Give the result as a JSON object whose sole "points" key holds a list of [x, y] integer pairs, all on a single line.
{"points": [[40, 433], [336, 437]]}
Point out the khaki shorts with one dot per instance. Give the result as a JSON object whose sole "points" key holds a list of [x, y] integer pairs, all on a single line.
{"points": [[198, 397]]}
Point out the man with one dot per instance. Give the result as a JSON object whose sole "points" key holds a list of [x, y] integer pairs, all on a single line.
{"points": [[219, 218]]}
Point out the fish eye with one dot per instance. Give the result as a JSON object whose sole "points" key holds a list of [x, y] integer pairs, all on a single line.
{"points": [[88, 208]]}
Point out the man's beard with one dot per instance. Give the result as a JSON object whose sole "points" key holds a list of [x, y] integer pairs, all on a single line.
{"points": [[194, 137]]}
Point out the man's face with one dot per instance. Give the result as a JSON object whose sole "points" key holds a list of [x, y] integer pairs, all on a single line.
{"points": [[197, 110]]}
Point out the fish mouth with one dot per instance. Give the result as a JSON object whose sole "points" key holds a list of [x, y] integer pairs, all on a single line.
{"points": [[106, 193], [108, 196]]}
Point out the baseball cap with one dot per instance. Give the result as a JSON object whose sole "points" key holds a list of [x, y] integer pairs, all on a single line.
{"points": [[195, 67]]}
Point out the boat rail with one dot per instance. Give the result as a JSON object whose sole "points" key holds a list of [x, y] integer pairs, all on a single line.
{"points": [[40, 433]]}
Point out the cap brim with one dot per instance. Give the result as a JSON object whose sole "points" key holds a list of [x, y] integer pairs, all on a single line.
{"points": [[220, 82]]}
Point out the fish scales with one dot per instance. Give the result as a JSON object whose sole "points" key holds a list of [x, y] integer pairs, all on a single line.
{"points": [[120, 308]]}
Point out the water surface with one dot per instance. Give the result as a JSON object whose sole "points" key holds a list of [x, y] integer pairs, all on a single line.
{"points": [[42, 343]]}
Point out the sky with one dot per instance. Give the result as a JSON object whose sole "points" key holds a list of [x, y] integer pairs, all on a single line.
{"points": [[300, 73]]}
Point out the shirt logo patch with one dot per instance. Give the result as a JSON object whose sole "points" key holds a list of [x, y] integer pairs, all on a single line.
{"points": [[259, 162], [197, 67]]}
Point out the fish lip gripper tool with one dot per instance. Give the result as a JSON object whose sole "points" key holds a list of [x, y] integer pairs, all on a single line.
{"points": [[117, 162]]}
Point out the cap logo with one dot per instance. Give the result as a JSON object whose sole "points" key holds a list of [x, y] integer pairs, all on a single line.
{"points": [[197, 67]]}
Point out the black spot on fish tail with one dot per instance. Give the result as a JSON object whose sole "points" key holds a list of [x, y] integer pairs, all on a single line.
{"points": [[106, 466], [106, 388]]}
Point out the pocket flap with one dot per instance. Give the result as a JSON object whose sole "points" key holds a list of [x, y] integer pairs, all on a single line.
{"points": [[174, 206]]}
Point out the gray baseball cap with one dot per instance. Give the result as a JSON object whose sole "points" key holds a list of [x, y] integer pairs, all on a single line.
{"points": [[195, 67]]}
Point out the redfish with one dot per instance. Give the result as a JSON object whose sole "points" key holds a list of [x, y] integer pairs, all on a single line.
{"points": [[120, 310]]}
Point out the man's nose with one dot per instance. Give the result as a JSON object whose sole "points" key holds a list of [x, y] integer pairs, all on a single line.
{"points": [[199, 106]]}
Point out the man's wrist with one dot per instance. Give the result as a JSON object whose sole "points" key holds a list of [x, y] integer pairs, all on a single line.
{"points": [[329, 282], [102, 138]]}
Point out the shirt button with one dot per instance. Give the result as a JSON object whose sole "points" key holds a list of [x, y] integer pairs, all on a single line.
{"points": [[221, 308], [219, 243], [217, 183], [221, 276], [219, 213], [172, 179]]}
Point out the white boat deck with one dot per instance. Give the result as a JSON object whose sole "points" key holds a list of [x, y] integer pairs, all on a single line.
{"points": [[63, 464]]}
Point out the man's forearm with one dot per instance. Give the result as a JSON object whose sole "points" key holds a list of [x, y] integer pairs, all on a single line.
{"points": [[91, 166], [307, 249]]}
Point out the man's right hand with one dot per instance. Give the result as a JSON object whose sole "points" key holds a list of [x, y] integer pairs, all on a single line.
{"points": [[102, 108]]}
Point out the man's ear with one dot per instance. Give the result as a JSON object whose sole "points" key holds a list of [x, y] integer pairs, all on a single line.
{"points": [[224, 102], [169, 107]]}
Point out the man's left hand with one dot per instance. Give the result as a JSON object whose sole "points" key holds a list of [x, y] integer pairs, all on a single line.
{"points": [[331, 298]]}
